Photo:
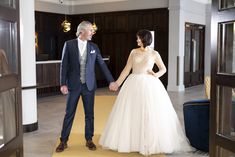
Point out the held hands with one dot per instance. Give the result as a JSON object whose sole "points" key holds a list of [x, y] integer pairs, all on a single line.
{"points": [[113, 86], [64, 89]]}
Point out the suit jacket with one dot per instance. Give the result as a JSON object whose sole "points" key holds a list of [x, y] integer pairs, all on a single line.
{"points": [[70, 66]]}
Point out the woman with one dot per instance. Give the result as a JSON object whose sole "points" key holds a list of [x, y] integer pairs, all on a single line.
{"points": [[143, 119]]}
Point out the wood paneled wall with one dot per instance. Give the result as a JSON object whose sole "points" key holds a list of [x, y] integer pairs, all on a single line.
{"points": [[115, 36]]}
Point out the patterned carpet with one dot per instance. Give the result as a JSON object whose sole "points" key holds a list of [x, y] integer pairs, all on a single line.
{"points": [[76, 144]]}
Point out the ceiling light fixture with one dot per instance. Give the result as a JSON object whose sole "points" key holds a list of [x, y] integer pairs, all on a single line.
{"points": [[66, 25], [95, 28]]}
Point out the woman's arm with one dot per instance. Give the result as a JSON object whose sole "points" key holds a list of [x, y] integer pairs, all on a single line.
{"points": [[125, 72], [160, 65]]}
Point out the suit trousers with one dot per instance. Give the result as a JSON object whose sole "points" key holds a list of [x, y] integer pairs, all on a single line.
{"points": [[71, 106]]}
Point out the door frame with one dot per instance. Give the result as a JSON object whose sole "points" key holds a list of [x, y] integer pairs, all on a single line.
{"points": [[13, 81], [200, 74], [223, 79]]}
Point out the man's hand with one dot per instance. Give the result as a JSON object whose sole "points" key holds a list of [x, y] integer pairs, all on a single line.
{"points": [[64, 89], [113, 86]]}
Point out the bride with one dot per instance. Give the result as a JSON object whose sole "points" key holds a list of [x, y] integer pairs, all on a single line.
{"points": [[143, 119]]}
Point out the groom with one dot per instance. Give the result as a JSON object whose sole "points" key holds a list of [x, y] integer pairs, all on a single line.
{"points": [[77, 78]]}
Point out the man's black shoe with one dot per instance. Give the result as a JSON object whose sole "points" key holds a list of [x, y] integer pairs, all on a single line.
{"points": [[90, 145], [61, 147]]}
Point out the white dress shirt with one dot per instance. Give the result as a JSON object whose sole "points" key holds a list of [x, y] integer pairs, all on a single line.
{"points": [[82, 46]]}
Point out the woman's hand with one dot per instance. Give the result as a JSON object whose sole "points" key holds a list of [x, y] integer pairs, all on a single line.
{"points": [[151, 72], [113, 86]]}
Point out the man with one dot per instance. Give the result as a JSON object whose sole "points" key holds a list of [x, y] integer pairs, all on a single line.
{"points": [[77, 78]]}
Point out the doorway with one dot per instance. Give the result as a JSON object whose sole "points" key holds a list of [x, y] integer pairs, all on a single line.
{"points": [[11, 141], [194, 54], [222, 108]]}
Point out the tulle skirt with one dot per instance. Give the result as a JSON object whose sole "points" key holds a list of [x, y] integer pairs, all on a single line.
{"points": [[143, 119]]}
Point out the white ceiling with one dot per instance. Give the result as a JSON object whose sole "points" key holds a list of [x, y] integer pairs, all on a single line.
{"points": [[84, 2], [79, 2], [203, 1]]}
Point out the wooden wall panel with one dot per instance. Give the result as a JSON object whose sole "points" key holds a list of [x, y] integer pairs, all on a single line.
{"points": [[109, 23], [108, 49], [121, 23], [147, 21], [134, 21], [121, 52]]}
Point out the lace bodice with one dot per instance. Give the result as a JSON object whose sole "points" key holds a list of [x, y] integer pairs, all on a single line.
{"points": [[141, 62]]}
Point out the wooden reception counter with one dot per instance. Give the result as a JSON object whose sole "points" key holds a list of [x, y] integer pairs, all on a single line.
{"points": [[48, 77]]}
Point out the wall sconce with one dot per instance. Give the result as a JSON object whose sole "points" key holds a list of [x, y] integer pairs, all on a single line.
{"points": [[36, 42], [36, 39], [66, 25]]}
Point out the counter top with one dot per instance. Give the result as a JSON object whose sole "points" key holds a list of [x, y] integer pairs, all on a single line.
{"points": [[48, 62], [58, 61]]}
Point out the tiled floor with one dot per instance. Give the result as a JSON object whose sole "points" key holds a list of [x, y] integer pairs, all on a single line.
{"points": [[41, 143]]}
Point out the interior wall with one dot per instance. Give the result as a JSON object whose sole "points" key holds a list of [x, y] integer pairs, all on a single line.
{"points": [[208, 41], [180, 12]]}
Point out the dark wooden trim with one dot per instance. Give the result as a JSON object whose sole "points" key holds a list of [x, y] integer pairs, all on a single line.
{"points": [[30, 127], [225, 79], [192, 78], [9, 81], [219, 79], [213, 108], [29, 87], [225, 142], [10, 16], [177, 69], [13, 81], [13, 144]]}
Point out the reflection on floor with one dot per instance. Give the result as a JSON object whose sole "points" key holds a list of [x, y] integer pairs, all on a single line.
{"points": [[41, 143]]}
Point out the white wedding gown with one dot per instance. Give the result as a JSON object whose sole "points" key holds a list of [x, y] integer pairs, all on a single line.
{"points": [[143, 119]]}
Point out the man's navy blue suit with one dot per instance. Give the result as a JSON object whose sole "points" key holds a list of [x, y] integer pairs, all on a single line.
{"points": [[70, 76]]}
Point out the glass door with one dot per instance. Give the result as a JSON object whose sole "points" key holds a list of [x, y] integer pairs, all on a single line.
{"points": [[222, 115], [11, 142], [194, 54]]}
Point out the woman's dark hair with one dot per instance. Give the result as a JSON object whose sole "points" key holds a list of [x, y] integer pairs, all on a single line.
{"points": [[145, 36]]}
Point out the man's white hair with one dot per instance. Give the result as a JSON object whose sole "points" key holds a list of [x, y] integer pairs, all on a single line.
{"points": [[82, 26]]}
